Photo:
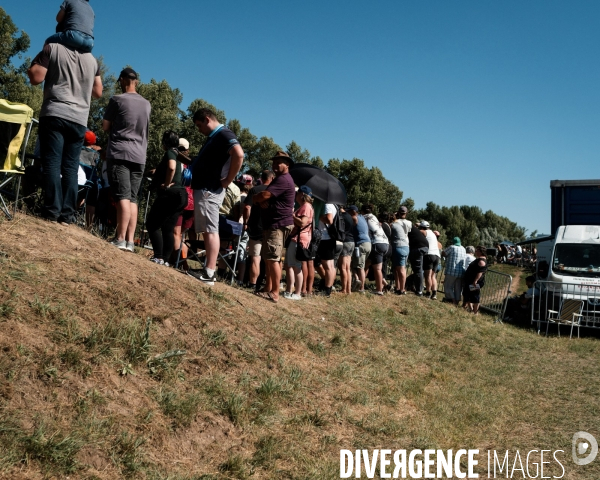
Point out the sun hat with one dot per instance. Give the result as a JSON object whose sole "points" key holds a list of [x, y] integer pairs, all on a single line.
{"points": [[284, 156]]}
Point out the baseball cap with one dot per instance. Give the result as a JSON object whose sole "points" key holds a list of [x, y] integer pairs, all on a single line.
{"points": [[456, 241], [89, 138], [351, 208], [184, 143], [403, 209], [423, 224], [246, 179], [128, 73], [306, 190]]}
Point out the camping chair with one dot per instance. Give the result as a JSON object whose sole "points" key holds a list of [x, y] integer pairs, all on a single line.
{"points": [[16, 121], [569, 314]]}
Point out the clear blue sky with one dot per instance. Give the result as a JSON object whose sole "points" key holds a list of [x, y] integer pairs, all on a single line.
{"points": [[463, 102]]}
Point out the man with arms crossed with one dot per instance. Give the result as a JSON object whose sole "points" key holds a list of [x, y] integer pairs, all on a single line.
{"points": [[70, 80], [277, 203], [126, 118], [217, 165]]}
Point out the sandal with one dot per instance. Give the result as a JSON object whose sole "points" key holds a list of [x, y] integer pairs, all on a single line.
{"points": [[269, 296]]}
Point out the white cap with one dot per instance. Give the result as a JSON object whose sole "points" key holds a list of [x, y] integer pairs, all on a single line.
{"points": [[184, 143]]}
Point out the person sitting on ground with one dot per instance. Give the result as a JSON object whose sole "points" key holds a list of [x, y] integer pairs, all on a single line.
{"points": [[301, 234], [170, 201], [75, 26], [253, 226], [380, 244], [455, 256], [400, 252], [345, 259], [474, 280], [277, 204], [518, 308]]}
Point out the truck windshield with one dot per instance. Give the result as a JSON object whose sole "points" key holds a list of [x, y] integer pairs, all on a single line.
{"points": [[579, 259]]}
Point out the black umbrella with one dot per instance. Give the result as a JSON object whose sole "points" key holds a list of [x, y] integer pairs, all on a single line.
{"points": [[324, 186], [506, 242]]}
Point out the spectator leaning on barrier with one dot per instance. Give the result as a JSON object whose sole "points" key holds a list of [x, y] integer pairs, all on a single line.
{"points": [[216, 166], [70, 79], [474, 280], [253, 226], [127, 119], [455, 256], [277, 203]]}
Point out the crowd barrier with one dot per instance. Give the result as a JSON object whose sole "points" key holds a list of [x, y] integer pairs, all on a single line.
{"points": [[494, 294], [550, 296]]}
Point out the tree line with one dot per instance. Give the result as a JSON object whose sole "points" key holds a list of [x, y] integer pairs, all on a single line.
{"points": [[363, 184]]}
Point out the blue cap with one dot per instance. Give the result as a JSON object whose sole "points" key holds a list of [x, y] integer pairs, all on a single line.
{"points": [[306, 190], [352, 207]]}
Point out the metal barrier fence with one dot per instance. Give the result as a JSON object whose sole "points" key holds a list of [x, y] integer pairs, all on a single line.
{"points": [[494, 294], [550, 296]]}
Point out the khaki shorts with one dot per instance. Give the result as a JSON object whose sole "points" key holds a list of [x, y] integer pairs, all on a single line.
{"points": [[254, 248], [206, 210], [364, 250], [273, 241]]}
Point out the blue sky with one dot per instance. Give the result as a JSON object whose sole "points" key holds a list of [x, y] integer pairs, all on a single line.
{"points": [[459, 103]]}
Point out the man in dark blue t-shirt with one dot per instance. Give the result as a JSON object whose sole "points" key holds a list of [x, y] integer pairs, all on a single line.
{"points": [[217, 165], [277, 203]]}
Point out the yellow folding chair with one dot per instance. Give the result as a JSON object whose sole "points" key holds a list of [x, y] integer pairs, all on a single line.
{"points": [[16, 120]]}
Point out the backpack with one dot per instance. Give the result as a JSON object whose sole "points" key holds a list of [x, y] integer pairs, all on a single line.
{"points": [[308, 254], [337, 230]]}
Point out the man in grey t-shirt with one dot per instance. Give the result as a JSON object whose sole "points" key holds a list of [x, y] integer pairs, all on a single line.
{"points": [[70, 80], [127, 118]]}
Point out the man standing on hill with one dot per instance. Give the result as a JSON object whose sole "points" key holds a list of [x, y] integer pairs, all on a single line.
{"points": [[455, 269], [127, 118], [70, 79], [277, 203], [217, 165], [253, 225]]}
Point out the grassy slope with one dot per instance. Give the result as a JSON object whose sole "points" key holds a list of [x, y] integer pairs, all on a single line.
{"points": [[272, 391]]}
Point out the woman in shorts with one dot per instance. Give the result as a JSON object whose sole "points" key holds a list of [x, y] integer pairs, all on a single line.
{"points": [[299, 237]]}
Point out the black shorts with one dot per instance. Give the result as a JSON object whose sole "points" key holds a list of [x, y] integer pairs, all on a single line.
{"points": [[430, 262], [326, 250], [125, 178], [471, 296], [378, 252]]}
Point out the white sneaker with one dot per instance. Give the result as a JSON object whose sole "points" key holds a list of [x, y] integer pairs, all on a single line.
{"points": [[295, 296], [287, 295]]}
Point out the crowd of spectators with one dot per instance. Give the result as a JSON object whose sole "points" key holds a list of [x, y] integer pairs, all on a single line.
{"points": [[282, 227]]}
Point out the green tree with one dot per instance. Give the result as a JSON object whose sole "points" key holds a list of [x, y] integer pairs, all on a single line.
{"points": [[14, 84], [165, 115]]}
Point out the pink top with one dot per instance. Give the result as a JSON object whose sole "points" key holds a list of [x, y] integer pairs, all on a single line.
{"points": [[305, 210]]}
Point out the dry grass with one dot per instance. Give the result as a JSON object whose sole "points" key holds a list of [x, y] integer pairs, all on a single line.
{"points": [[262, 390]]}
